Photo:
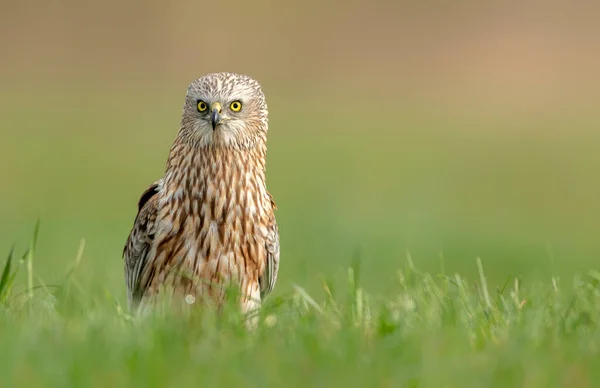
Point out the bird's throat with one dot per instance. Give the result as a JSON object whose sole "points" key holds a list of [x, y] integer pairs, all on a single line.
{"points": [[216, 173]]}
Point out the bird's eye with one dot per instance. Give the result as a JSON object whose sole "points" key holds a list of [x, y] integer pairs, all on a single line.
{"points": [[202, 107], [236, 106]]}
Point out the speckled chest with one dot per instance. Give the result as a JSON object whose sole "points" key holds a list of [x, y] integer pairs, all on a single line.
{"points": [[213, 217]]}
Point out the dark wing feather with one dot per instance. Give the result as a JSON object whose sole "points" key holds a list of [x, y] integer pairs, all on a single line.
{"points": [[269, 277], [138, 243]]}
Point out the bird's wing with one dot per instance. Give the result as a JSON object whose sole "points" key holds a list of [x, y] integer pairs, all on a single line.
{"points": [[269, 276], [138, 244]]}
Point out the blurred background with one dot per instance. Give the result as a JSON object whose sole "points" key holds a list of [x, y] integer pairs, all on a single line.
{"points": [[450, 130]]}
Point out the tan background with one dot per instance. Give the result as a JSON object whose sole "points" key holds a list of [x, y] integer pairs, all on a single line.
{"points": [[468, 128]]}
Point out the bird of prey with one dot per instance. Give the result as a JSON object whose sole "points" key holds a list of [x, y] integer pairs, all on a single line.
{"points": [[209, 222]]}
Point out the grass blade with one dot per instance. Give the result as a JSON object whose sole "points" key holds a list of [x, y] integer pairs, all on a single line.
{"points": [[5, 280], [484, 287], [30, 258]]}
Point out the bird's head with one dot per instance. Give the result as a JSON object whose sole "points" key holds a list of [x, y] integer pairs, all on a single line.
{"points": [[225, 110]]}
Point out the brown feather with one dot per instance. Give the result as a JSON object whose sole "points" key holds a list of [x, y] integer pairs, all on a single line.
{"points": [[211, 215]]}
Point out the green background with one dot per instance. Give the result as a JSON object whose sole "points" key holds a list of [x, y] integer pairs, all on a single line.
{"points": [[393, 129]]}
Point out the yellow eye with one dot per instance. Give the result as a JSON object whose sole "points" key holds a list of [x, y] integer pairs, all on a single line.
{"points": [[202, 106], [236, 106]]}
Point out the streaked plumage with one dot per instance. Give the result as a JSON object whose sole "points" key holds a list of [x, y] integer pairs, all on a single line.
{"points": [[210, 220]]}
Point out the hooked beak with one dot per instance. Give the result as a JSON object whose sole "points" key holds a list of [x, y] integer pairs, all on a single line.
{"points": [[215, 115]]}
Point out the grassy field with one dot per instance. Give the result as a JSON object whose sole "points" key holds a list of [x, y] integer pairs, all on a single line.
{"points": [[429, 331], [381, 225]]}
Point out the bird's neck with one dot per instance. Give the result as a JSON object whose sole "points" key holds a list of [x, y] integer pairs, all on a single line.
{"points": [[203, 169]]}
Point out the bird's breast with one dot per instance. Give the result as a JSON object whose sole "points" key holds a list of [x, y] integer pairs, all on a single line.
{"points": [[214, 229]]}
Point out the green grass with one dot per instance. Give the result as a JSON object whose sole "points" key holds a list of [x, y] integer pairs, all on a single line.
{"points": [[429, 330]]}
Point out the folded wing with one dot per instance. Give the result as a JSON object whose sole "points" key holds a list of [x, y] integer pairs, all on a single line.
{"points": [[137, 249], [269, 276]]}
